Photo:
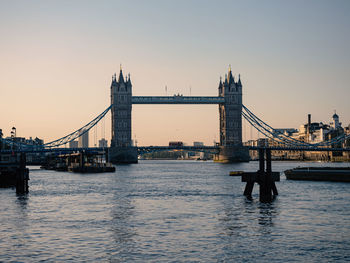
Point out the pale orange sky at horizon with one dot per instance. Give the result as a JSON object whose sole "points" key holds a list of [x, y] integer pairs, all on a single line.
{"points": [[57, 60]]}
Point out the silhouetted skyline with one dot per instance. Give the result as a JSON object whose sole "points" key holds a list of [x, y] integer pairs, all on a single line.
{"points": [[57, 59]]}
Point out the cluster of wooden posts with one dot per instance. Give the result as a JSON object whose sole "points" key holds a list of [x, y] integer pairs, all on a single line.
{"points": [[13, 173], [264, 177]]}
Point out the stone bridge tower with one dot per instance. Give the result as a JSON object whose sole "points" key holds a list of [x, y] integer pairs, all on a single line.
{"points": [[121, 111], [121, 150], [231, 148], [230, 111]]}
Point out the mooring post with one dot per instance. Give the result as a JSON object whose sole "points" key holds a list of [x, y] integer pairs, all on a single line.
{"points": [[265, 177], [251, 181], [271, 182], [262, 176], [249, 189], [22, 176], [268, 176], [261, 160], [268, 161]]}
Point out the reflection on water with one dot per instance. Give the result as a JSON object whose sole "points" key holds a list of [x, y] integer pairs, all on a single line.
{"points": [[22, 201], [267, 212], [172, 211], [122, 212]]}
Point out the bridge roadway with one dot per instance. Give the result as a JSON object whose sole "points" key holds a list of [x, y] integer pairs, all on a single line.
{"points": [[142, 149], [176, 99], [56, 150], [305, 149], [146, 149]]}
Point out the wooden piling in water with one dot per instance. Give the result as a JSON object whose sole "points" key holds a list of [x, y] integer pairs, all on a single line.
{"points": [[22, 176], [265, 178]]}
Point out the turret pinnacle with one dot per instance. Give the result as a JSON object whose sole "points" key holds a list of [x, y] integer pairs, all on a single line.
{"points": [[230, 78], [129, 81], [121, 78], [114, 79], [239, 81]]}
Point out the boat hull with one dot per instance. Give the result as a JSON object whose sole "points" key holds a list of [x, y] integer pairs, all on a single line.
{"points": [[319, 174], [92, 169]]}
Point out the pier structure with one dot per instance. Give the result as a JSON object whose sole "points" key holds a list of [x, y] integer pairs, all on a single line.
{"points": [[229, 100], [264, 177], [13, 172]]}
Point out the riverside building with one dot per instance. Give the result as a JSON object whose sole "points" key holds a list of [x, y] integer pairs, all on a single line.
{"points": [[311, 132]]}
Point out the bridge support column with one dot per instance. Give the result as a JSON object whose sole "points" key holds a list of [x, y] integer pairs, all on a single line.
{"points": [[231, 154], [122, 155]]}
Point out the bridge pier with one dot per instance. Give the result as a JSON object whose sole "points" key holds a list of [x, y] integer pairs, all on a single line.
{"points": [[122, 155], [231, 154]]}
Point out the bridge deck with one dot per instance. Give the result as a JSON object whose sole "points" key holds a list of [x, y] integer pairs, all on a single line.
{"points": [[187, 148], [305, 149]]}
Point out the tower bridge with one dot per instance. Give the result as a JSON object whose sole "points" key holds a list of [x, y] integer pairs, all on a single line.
{"points": [[231, 111], [229, 100], [230, 148]]}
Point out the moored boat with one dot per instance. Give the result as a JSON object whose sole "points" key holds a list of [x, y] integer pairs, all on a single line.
{"points": [[79, 162], [332, 174], [92, 168]]}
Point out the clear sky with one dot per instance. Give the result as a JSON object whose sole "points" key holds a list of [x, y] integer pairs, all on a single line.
{"points": [[57, 59]]}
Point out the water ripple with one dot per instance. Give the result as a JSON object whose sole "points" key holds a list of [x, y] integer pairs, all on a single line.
{"points": [[173, 211]]}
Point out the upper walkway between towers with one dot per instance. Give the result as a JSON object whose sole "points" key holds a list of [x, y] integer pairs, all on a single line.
{"points": [[177, 99]]}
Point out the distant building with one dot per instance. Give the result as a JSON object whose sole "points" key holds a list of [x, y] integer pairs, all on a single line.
{"points": [[16, 139], [335, 124], [198, 144], [73, 144], [311, 132], [286, 131], [102, 143], [176, 144], [83, 141]]}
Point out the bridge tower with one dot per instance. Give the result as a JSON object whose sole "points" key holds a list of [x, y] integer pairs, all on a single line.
{"points": [[231, 148], [121, 150]]}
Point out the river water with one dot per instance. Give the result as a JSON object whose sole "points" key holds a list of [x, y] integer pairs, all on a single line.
{"points": [[173, 211]]}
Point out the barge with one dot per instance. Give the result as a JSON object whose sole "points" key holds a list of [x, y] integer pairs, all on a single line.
{"points": [[331, 174], [80, 162]]}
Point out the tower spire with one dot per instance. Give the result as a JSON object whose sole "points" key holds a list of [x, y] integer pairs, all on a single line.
{"points": [[121, 78], [230, 78], [129, 80], [114, 79], [239, 83]]}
